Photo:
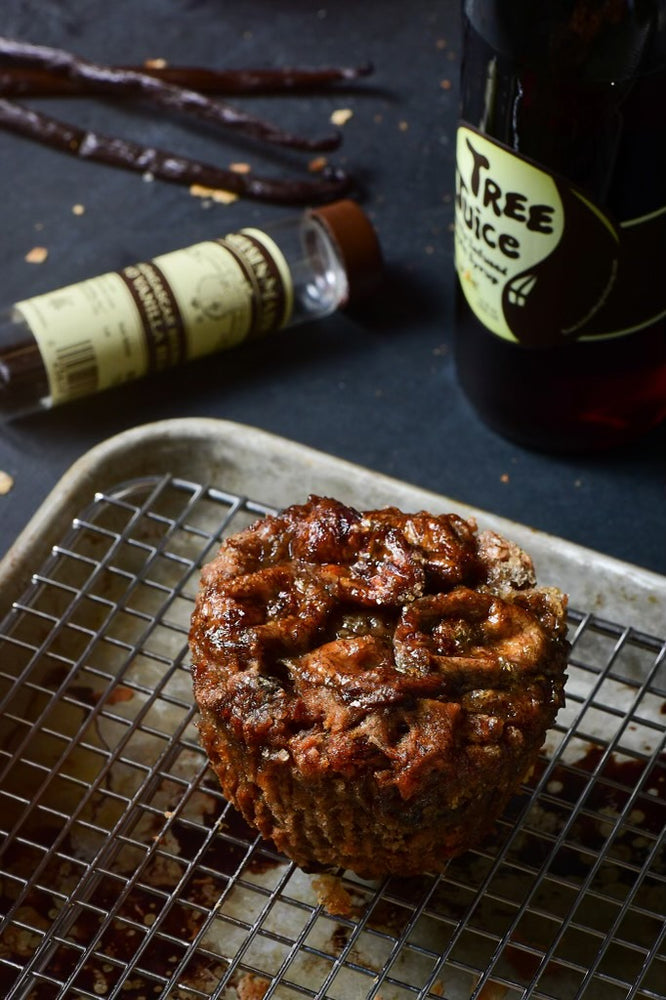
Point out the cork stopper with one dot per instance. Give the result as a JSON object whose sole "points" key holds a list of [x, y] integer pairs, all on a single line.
{"points": [[357, 243]]}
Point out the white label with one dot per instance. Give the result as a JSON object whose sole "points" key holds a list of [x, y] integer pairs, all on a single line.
{"points": [[90, 336], [509, 218], [119, 326], [541, 263]]}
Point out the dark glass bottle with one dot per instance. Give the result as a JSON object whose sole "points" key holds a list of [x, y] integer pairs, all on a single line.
{"points": [[561, 219]]}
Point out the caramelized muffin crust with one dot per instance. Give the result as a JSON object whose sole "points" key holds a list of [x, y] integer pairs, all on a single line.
{"points": [[373, 686]]}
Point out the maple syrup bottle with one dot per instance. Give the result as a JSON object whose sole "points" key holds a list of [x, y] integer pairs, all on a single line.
{"points": [[561, 219]]}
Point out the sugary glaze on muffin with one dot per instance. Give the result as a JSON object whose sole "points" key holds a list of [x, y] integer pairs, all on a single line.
{"points": [[374, 686]]}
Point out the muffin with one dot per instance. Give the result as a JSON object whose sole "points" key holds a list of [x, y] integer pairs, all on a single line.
{"points": [[373, 686]]}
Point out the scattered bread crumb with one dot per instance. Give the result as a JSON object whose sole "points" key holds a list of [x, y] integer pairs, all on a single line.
{"points": [[333, 896], [37, 255], [504, 478], [403, 126], [6, 482], [78, 209], [445, 84], [317, 164], [341, 116], [119, 693], [215, 194], [240, 168], [155, 63]]}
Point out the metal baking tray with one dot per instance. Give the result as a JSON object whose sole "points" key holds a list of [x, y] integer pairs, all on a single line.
{"points": [[125, 874]]}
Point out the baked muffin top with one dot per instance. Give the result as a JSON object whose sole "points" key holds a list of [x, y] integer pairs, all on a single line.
{"points": [[344, 641]]}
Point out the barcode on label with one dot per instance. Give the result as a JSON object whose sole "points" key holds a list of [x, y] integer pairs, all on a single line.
{"points": [[76, 369]]}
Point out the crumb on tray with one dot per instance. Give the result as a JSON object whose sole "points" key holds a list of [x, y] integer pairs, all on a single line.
{"points": [[37, 255]]}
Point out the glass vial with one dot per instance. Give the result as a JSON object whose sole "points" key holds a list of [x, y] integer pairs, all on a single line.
{"points": [[209, 297], [561, 219]]}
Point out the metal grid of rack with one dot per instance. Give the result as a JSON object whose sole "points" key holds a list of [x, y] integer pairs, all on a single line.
{"points": [[124, 873]]}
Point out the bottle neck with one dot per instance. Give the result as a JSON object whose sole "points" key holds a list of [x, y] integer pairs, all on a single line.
{"points": [[577, 40]]}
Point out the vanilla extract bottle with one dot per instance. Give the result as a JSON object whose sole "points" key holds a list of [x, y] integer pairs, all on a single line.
{"points": [[561, 219], [209, 297]]}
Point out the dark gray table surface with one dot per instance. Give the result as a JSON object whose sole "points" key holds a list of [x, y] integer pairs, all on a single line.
{"points": [[377, 388]]}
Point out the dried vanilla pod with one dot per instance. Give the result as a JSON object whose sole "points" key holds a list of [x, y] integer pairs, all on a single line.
{"points": [[29, 81], [28, 70], [168, 166], [168, 96]]}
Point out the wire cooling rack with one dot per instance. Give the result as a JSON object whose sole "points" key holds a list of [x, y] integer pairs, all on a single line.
{"points": [[125, 874]]}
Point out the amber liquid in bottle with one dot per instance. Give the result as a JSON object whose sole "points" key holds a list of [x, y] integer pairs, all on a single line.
{"points": [[585, 101]]}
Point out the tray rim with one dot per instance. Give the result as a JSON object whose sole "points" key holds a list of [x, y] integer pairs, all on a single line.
{"points": [[211, 444]]}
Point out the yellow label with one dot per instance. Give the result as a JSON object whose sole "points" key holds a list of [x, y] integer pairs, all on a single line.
{"points": [[509, 219], [119, 326], [539, 261], [89, 335]]}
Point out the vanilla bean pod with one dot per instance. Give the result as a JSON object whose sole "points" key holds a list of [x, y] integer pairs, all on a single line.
{"points": [[118, 81], [30, 81], [164, 165]]}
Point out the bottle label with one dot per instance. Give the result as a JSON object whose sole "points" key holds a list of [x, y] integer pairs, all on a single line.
{"points": [[538, 262], [122, 325]]}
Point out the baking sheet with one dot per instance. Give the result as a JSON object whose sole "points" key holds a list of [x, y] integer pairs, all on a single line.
{"points": [[124, 873], [255, 463]]}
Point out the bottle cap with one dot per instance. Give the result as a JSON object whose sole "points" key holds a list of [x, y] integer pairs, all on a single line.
{"points": [[356, 241]]}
